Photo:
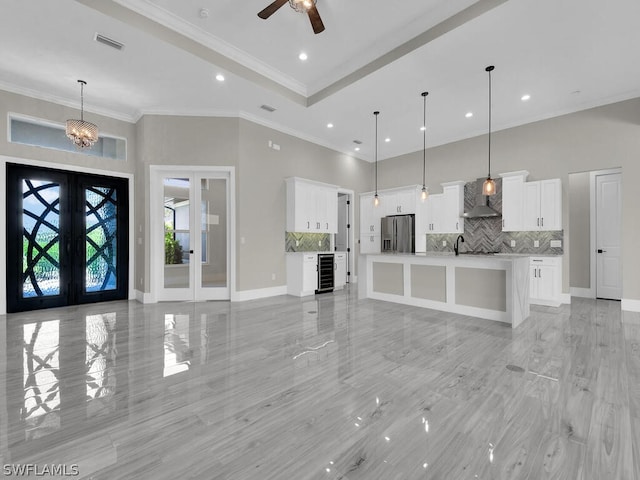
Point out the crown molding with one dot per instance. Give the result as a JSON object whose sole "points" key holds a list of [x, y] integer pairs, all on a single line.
{"points": [[58, 100], [178, 24]]}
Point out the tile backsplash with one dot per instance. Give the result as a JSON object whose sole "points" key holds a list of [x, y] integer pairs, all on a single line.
{"points": [[307, 242], [486, 235]]}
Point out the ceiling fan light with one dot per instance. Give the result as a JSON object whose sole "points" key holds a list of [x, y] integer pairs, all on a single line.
{"points": [[302, 6]]}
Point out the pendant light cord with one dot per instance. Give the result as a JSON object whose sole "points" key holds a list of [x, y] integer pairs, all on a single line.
{"points": [[424, 139], [376, 114], [489, 70], [82, 84]]}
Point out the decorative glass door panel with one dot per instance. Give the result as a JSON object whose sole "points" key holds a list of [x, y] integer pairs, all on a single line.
{"points": [[40, 238], [67, 238], [101, 241]]}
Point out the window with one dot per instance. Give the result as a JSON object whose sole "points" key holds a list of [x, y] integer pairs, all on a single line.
{"points": [[40, 133]]}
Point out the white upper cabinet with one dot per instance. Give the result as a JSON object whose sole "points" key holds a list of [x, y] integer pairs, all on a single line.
{"points": [[543, 205], [442, 212], [530, 206], [370, 215], [311, 207], [452, 207], [513, 201], [399, 202]]}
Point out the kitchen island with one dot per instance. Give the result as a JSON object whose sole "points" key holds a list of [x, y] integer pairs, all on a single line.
{"points": [[495, 287]]}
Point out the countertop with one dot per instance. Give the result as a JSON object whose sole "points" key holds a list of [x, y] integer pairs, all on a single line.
{"points": [[464, 255]]}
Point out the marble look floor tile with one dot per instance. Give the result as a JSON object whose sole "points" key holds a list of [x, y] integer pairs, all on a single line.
{"points": [[321, 388]]}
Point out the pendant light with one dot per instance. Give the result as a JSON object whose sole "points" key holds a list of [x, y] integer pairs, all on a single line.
{"points": [[376, 199], [425, 193], [82, 134], [489, 185]]}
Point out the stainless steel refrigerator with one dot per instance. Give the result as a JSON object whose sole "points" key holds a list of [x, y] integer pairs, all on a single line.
{"points": [[398, 234]]}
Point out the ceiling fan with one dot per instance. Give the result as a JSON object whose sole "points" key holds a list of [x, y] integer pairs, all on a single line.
{"points": [[302, 6]]}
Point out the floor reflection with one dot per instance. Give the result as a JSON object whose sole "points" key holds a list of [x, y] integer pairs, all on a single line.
{"points": [[323, 387]]}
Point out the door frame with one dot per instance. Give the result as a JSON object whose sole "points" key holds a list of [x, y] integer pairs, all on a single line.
{"points": [[67, 168], [351, 254], [156, 172], [592, 227]]}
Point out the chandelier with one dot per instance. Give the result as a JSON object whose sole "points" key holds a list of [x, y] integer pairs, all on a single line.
{"points": [[302, 6], [82, 134]]}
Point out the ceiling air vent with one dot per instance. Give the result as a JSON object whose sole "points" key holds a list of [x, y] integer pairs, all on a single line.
{"points": [[109, 42], [268, 108]]}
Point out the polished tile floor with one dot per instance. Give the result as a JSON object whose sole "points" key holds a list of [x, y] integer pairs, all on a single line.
{"points": [[330, 387]]}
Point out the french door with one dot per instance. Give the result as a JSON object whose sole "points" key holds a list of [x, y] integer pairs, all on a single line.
{"points": [[192, 236], [67, 239]]}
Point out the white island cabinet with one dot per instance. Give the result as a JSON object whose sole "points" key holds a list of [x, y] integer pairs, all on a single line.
{"points": [[495, 287]]}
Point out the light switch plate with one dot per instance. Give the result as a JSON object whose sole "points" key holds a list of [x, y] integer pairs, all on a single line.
{"points": [[444, 243], [513, 243], [536, 243], [556, 243]]}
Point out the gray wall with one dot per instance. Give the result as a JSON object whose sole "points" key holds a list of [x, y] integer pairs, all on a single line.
{"points": [[580, 226], [175, 140], [261, 196], [22, 105], [594, 139]]}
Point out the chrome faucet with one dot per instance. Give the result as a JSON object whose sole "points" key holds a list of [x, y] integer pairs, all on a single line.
{"points": [[455, 246]]}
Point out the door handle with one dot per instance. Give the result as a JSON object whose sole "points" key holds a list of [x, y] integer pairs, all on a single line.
{"points": [[190, 251], [601, 251]]}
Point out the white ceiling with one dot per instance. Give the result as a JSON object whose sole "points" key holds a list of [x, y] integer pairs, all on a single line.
{"points": [[374, 55]]}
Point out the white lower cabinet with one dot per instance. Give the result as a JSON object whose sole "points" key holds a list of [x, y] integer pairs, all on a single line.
{"points": [[545, 287], [370, 243], [302, 274], [340, 273]]}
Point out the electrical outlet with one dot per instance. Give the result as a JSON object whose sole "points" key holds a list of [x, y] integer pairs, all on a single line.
{"points": [[297, 243], [513, 243], [444, 243], [319, 243], [555, 244], [536, 243], [273, 276]]}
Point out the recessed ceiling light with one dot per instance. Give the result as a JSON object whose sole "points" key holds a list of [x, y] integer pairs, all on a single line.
{"points": [[303, 56], [357, 149], [468, 114], [329, 125], [387, 139], [220, 77], [526, 97]]}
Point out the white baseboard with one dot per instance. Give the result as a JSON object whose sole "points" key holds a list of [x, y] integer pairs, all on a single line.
{"points": [[630, 305], [565, 298], [245, 295], [582, 292], [143, 297]]}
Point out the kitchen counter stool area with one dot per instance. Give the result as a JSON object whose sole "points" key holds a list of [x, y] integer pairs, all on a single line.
{"points": [[490, 287]]}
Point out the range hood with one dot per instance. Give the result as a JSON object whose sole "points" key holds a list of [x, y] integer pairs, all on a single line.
{"points": [[481, 208]]}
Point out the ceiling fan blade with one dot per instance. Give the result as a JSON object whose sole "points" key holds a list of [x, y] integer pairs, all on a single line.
{"points": [[271, 9], [316, 21]]}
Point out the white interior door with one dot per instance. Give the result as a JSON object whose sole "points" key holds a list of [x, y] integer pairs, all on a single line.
{"points": [[193, 236], [608, 231]]}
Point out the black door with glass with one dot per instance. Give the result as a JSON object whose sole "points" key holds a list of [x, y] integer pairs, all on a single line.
{"points": [[67, 239]]}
